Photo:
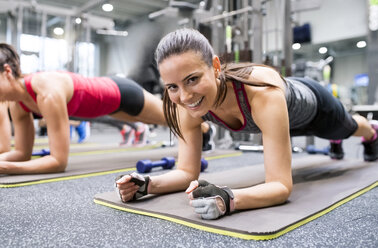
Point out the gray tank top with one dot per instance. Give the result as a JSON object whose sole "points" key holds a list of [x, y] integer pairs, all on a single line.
{"points": [[301, 104]]}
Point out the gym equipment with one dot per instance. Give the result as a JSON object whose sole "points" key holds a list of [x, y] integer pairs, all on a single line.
{"points": [[204, 164], [311, 149], [92, 164], [320, 185], [43, 152], [144, 166]]}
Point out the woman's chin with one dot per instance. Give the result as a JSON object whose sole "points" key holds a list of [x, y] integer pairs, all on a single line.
{"points": [[197, 113]]}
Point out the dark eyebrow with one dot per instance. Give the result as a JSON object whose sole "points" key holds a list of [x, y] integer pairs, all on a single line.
{"points": [[190, 75]]}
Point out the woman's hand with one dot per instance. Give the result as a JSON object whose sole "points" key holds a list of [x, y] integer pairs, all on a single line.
{"points": [[132, 187], [209, 200]]}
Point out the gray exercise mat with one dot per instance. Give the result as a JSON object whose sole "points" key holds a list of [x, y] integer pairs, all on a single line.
{"points": [[320, 184], [100, 164], [88, 148]]}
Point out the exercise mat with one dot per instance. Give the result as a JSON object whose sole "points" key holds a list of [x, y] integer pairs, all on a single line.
{"points": [[320, 185], [97, 164], [96, 148]]}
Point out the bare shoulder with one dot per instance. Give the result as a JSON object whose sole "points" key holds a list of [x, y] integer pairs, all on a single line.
{"points": [[266, 75], [51, 81], [268, 96]]}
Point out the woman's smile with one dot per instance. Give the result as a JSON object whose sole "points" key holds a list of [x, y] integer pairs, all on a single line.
{"points": [[195, 104]]}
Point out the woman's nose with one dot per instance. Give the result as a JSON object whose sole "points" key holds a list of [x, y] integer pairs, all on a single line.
{"points": [[185, 95]]}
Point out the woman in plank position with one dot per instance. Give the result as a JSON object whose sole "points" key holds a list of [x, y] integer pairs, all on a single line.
{"points": [[57, 96], [242, 97]]}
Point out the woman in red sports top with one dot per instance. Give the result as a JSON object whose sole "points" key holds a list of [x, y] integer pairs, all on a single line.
{"points": [[57, 96]]}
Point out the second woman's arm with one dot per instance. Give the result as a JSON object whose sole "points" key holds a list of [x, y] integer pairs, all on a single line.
{"points": [[52, 104]]}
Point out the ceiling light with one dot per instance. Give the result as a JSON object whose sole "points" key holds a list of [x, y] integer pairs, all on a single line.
{"points": [[58, 31], [107, 7], [361, 44], [78, 20], [111, 32], [296, 46], [323, 50]]}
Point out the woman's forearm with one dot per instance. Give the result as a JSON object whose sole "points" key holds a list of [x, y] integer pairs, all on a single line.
{"points": [[262, 195], [14, 155], [172, 181], [47, 164]]}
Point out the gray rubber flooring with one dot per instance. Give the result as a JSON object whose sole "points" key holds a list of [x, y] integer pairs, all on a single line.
{"points": [[63, 214]]}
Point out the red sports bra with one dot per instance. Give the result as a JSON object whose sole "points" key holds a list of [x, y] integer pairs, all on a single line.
{"points": [[92, 97]]}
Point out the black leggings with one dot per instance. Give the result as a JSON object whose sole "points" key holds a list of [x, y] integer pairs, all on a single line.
{"points": [[132, 96], [332, 121]]}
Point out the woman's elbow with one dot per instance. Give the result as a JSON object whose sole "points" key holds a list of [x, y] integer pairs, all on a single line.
{"points": [[62, 166], [284, 193], [59, 166], [189, 175]]}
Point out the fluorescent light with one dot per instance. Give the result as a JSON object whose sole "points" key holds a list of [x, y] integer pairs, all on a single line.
{"points": [[323, 50], [58, 31], [296, 46], [111, 32], [78, 20], [361, 44], [107, 7]]}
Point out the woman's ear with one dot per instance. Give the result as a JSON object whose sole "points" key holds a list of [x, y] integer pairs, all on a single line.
{"points": [[216, 65], [7, 70]]}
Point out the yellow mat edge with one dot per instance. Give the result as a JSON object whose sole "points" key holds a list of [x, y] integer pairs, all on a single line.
{"points": [[115, 150], [257, 237], [13, 185]]}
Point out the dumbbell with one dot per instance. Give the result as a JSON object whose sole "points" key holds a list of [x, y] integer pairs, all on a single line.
{"points": [[43, 152], [313, 150], [144, 166], [204, 164]]}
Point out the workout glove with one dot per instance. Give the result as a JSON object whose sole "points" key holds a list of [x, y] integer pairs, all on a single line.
{"points": [[139, 180], [209, 200]]}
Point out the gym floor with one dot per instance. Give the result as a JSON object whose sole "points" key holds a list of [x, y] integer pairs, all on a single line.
{"points": [[63, 214]]}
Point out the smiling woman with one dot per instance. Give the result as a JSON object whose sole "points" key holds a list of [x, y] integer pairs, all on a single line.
{"points": [[247, 98], [190, 84]]}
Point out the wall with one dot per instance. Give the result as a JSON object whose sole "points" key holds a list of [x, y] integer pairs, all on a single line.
{"points": [[336, 20], [346, 67], [3, 28], [127, 55]]}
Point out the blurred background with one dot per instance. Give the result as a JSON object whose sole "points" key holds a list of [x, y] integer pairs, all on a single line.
{"points": [[333, 41]]}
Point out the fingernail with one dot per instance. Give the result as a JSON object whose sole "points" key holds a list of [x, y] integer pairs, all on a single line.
{"points": [[121, 180]]}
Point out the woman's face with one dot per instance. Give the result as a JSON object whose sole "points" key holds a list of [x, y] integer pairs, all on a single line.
{"points": [[190, 82]]}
